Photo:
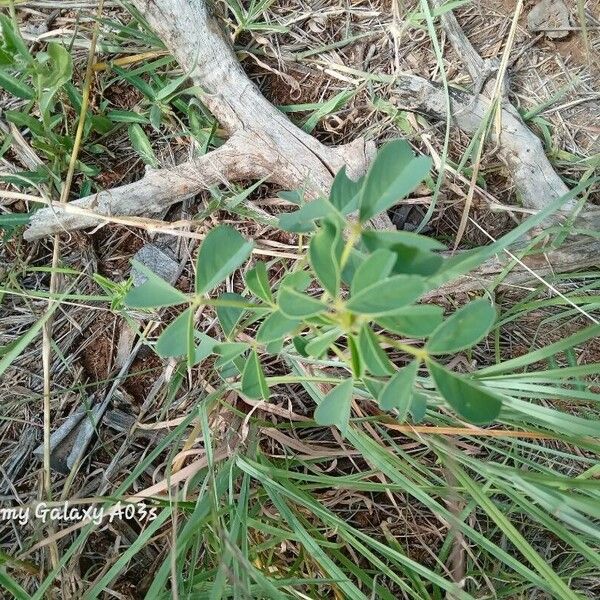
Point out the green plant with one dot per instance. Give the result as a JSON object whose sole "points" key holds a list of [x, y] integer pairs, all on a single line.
{"points": [[46, 102], [40, 80], [353, 295]]}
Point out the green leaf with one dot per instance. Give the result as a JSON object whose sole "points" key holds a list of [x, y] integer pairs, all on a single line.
{"points": [[388, 296], [16, 87], [294, 196], [345, 193], [324, 256], [205, 348], [398, 391], [334, 408], [372, 356], [6, 59], [475, 403], [126, 116], [373, 240], [297, 280], [296, 305], [21, 119], [155, 117], [275, 347], [415, 261], [135, 81], [394, 173], [254, 382], [355, 259], [13, 40], [227, 351], [544, 353], [74, 95], [358, 368], [418, 406], [10, 585], [10, 221], [302, 221], [60, 67], [229, 316], [375, 268], [300, 342], [173, 341], [275, 327], [222, 252], [12, 350], [257, 281], [463, 329], [321, 343], [102, 124], [328, 107], [374, 386], [171, 87], [141, 144], [155, 292], [413, 321]]}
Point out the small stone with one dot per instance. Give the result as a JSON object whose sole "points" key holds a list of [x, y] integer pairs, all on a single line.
{"points": [[551, 17], [158, 261]]}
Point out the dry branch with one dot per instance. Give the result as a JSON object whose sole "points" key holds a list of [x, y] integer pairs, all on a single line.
{"points": [[265, 144], [574, 256], [263, 140], [535, 181]]}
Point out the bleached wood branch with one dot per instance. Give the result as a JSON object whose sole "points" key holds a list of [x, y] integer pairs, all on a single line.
{"points": [[535, 181], [252, 155], [574, 256], [265, 144]]}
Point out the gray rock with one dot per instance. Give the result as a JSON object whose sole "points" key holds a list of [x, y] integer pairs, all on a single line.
{"points": [[158, 260], [550, 16]]}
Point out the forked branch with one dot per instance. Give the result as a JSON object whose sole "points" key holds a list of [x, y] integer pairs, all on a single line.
{"points": [[263, 143]]}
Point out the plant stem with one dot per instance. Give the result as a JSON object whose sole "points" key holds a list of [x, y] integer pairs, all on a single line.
{"points": [[350, 242]]}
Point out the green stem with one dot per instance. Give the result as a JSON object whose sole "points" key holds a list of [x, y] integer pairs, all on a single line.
{"points": [[353, 237], [418, 353]]}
